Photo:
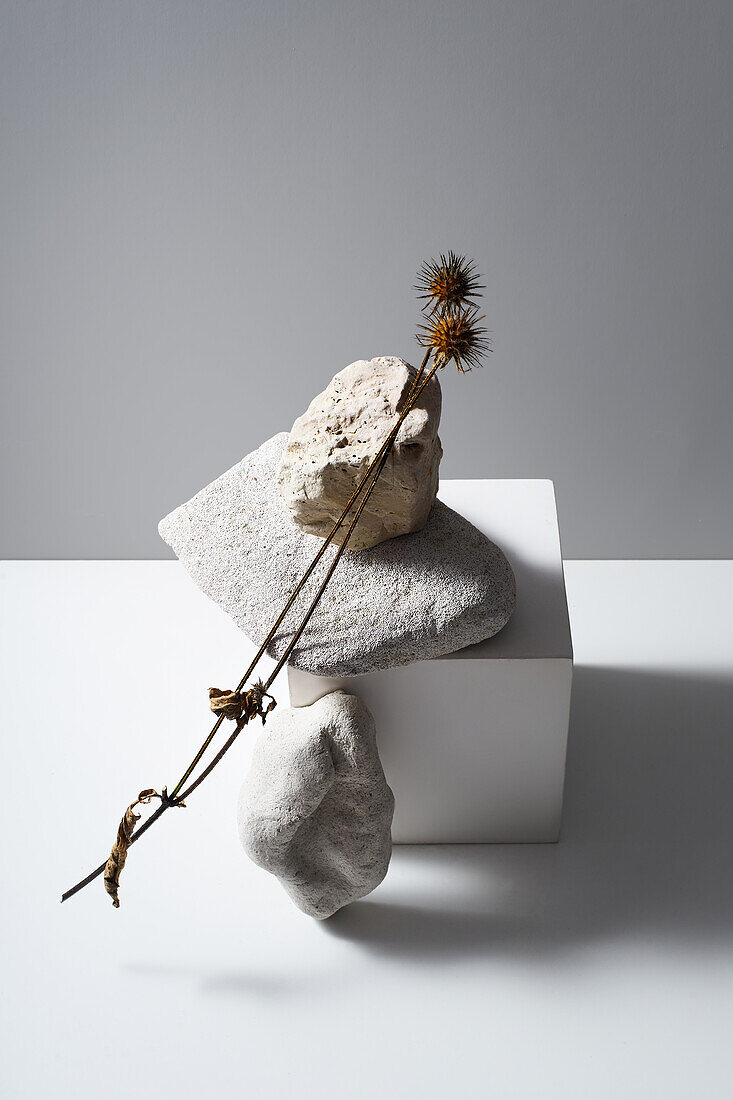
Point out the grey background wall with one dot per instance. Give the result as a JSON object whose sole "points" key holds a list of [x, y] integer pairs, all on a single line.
{"points": [[209, 208]]}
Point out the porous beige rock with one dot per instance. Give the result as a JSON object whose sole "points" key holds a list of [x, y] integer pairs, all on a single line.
{"points": [[333, 443]]}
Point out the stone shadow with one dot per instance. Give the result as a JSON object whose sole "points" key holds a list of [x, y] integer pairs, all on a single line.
{"points": [[645, 850]]}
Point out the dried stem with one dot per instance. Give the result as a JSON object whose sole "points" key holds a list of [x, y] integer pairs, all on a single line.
{"points": [[337, 557], [331, 570], [452, 333], [375, 469], [382, 454]]}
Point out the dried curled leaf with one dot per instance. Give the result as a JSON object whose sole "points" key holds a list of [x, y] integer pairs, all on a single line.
{"points": [[118, 855], [242, 706], [228, 703]]}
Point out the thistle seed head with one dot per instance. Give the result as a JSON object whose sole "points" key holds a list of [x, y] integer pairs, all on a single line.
{"points": [[456, 335], [448, 284]]}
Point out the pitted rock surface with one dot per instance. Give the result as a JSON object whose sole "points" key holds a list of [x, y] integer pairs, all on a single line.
{"points": [[333, 443], [408, 599], [315, 808]]}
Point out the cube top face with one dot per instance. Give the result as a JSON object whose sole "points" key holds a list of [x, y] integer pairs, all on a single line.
{"points": [[520, 516]]}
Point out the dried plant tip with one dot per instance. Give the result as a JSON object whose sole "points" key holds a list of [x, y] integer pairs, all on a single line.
{"points": [[228, 703], [456, 336], [118, 855], [242, 706], [255, 701], [449, 283]]}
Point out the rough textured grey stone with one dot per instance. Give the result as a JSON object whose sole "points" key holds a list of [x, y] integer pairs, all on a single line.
{"points": [[408, 599], [315, 809], [333, 443]]}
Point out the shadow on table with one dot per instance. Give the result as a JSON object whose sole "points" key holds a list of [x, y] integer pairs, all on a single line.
{"points": [[646, 845]]}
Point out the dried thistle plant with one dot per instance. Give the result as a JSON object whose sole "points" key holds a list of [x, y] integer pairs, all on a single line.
{"points": [[455, 335], [451, 333], [448, 283]]}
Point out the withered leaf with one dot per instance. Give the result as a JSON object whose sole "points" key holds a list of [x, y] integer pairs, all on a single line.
{"points": [[118, 855]]}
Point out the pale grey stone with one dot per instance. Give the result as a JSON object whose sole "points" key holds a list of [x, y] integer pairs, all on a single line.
{"points": [[408, 599], [333, 443], [315, 808]]}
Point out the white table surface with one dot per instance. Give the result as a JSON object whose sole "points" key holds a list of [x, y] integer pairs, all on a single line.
{"points": [[599, 967]]}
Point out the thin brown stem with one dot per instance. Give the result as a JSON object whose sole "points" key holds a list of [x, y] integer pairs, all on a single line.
{"points": [[381, 454], [304, 622], [337, 557], [212, 763], [293, 642], [375, 468]]}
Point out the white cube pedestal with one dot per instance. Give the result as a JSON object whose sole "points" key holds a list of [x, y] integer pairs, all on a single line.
{"points": [[473, 744]]}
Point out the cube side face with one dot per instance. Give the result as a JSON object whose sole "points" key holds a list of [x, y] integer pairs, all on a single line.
{"points": [[474, 750], [521, 517]]}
